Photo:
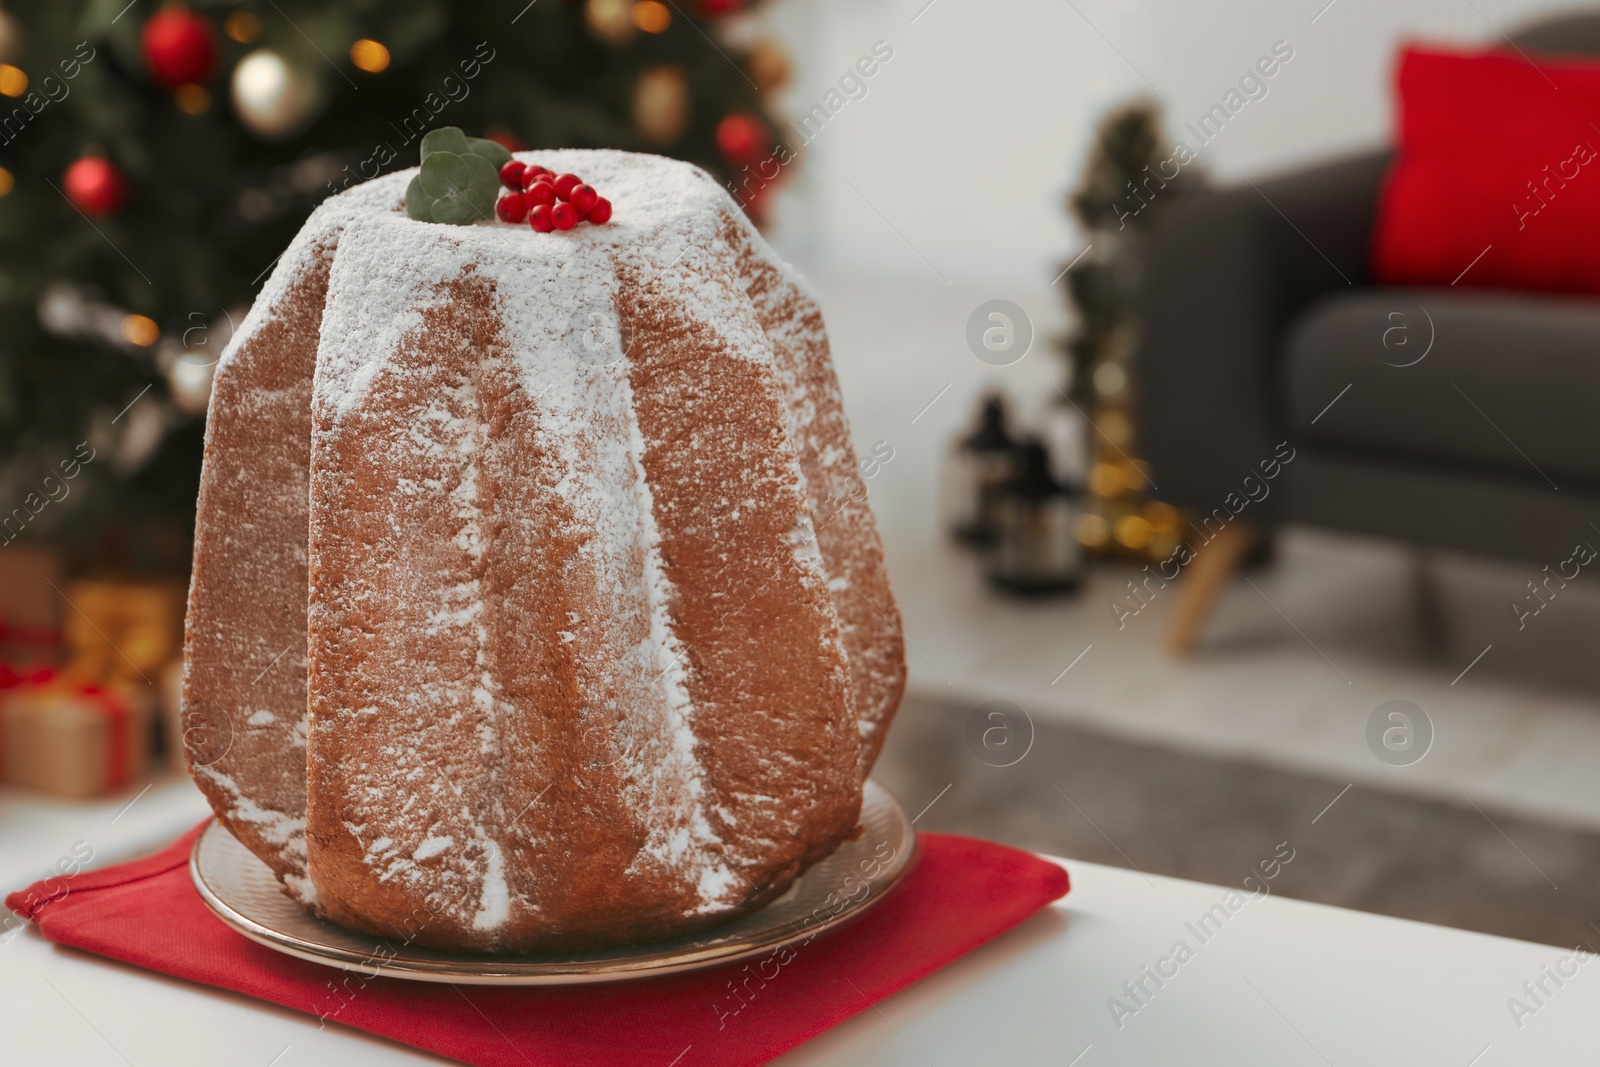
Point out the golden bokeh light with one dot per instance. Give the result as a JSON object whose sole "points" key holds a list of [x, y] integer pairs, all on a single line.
{"points": [[369, 55], [610, 20], [1162, 516], [140, 330], [1117, 427], [1106, 479], [661, 104], [1133, 531], [1093, 531], [192, 99], [652, 16], [242, 26], [13, 81]]}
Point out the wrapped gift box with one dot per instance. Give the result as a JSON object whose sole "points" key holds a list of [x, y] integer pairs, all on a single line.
{"points": [[73, 739], [122, 631]]}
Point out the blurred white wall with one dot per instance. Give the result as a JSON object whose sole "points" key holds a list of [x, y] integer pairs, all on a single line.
{"points": [[954, 163]]}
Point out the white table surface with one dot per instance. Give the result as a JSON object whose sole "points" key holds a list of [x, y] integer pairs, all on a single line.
{"points": [[1282, 983]]}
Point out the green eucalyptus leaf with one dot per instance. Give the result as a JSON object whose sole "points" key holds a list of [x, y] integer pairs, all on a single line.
{"points": [[459, 178], [419, 205], [445, 174], [444, 139], [484, 176], [455, 210], [493, 151]]}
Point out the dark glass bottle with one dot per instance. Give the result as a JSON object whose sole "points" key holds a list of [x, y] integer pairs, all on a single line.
{"points": [[1036, 547], [976, 474]]}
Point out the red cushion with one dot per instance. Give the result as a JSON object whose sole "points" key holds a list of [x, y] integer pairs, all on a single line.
{"points": [[1498, 154]]}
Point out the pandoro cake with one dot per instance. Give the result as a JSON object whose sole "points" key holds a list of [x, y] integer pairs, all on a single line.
{"points": [[528, 612]]}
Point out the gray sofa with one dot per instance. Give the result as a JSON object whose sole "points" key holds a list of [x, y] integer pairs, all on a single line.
{"points": [[1452, 417]]}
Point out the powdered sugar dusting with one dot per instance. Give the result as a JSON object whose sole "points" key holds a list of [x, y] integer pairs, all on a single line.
{"points": [[431, 847], [285, 831], [494, 901], [320, 231]]}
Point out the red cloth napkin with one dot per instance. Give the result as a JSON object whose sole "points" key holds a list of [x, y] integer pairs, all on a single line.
{"points": [[961, 894]]}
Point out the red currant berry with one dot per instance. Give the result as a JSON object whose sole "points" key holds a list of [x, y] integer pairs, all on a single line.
{"points": [[601, 212], [583, 197], [540, 193], [564, 215], [511, 175], [511, 207], [565, 183], [533, 172], [539, 218]]}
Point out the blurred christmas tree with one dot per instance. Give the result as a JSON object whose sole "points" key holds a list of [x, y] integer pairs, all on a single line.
{"points": [[154, 160], [1132, 177]]}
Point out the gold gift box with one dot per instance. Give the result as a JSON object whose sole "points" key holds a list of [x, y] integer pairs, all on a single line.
{"points": [[122, 631]]}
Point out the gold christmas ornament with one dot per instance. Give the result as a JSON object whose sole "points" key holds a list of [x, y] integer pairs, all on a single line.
{"points": [[7, 182], [273, 99], [661, 104], [610, 20]]}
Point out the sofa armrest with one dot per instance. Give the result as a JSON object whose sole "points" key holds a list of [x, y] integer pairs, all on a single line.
{"points": [[1225, 274]]}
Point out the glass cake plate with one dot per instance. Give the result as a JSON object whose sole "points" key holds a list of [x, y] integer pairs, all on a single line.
{"points": [[245, 895]]}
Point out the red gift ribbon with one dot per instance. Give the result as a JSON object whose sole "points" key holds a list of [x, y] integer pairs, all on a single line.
{"points": [[118, 753]]}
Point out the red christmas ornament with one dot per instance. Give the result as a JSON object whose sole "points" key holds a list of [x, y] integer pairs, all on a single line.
{"points": [[601, 212], [511, 208], [179, 47], [714, 8], [95, 186], [511, 176], [741, 138], [539, 218], [583, 198]]}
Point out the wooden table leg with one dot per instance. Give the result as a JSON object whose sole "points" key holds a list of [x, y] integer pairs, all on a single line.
{"points": [[1206, 576]]}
